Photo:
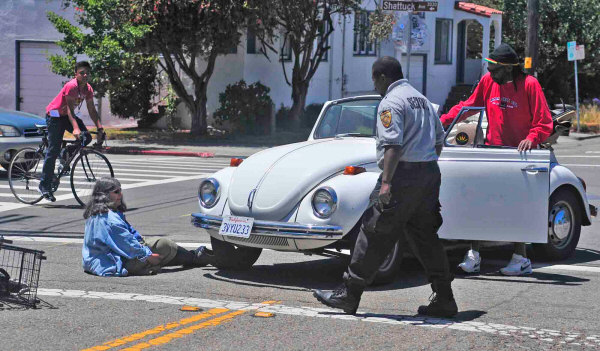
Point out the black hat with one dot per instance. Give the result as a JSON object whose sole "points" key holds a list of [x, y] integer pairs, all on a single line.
{"points": [[504, 55]]}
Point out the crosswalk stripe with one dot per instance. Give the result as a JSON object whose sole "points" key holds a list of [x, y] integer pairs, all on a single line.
{"points": [[115, 169], [132, 173], [160, 166]]}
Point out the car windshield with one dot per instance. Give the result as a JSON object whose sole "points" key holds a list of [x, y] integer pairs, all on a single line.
{"points": [[349, 118]]}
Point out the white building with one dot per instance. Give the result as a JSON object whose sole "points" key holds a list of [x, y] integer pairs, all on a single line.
{"points": [[439, 55]]}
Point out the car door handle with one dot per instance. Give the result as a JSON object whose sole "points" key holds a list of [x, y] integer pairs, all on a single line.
{"points": [[535, 169]]}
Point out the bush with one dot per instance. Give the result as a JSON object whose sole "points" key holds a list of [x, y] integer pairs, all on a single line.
{"points": [[307, 120], [246, 108], [310, 115], [132, 89]]}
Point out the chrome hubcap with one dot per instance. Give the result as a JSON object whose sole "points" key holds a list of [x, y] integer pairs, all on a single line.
{"points": [[561, 224]]}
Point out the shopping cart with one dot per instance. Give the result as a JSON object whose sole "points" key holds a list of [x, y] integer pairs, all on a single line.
{"points": [[19, 274]]}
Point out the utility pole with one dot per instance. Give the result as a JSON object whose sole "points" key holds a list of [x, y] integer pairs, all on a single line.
{"points": [[532, 44]]}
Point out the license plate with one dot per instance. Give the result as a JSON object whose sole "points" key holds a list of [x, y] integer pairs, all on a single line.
{"points": [[236, 226]]}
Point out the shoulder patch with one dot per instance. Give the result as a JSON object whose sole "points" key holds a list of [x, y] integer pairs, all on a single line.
{"points": [[386, 118]]}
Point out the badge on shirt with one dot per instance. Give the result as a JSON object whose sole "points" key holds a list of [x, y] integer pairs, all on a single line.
{"points": [[386, 118]]}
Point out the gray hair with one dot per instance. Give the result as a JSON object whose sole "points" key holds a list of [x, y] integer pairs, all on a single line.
{"points": [[100, 201]]}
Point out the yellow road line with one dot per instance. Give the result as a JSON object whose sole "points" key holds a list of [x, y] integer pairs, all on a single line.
{"points": [[183, 332], [159, 329]]}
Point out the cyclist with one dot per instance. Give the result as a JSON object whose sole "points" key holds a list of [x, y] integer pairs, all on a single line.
{"points": [[60, 116]]}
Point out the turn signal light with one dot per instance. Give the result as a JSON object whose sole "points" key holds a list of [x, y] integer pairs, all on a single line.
{"points": [[353, 170], [236, 162]]}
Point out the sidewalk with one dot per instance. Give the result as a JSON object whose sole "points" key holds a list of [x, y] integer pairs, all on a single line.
{"points": [[226, 150], [144, 148]]}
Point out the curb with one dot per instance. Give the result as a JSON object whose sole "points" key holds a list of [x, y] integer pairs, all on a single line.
{"points": [[584, 136], [110, 150]]}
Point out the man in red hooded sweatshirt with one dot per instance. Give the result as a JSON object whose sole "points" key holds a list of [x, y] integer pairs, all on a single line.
{"points": [[518, 115]]}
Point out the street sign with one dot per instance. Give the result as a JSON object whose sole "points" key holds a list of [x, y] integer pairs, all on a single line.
{"points": [[527, 62], [575, 52], [410, 6]]}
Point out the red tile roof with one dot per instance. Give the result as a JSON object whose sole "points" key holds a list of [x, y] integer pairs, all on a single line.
{"points": [[476, 9]]}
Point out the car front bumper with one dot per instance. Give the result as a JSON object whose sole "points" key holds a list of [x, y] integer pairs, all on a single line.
{"points": [[16, 144], [283, 236]]}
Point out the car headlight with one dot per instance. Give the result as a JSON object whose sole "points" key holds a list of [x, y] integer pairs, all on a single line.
{"points": [[209, 192], [9, 131], [324, 202]]}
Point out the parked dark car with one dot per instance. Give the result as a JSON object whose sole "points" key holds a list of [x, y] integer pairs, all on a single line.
{"points": [[17, 131]]}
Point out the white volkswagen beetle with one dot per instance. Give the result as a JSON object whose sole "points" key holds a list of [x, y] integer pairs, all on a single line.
{"points": [[310, 196]]}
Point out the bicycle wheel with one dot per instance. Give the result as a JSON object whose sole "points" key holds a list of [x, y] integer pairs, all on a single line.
{"points": [[24, 175], [88, 167]]}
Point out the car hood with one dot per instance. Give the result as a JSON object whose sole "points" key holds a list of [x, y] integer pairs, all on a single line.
{"points": [[280, 177], [20, 120]]}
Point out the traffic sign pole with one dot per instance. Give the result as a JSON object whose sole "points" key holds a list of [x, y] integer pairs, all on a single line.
{"points": [[576, 96]]}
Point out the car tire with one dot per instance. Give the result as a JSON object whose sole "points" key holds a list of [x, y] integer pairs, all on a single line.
{"points": [[229, 256], [389, 268], [388, 271], [564, 226]]}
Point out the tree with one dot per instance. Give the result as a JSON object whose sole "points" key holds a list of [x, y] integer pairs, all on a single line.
{"points": [[184, 32], [128, 77], [305, 27]]}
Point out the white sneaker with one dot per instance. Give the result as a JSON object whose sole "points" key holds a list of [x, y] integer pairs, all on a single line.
{"points": [[518, 265], [471, 262]]}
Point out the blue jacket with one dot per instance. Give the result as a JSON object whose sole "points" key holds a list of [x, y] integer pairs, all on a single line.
{"points": [[109, 239]]}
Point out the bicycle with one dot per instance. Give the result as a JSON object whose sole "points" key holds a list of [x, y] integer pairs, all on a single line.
{"points": [[83, 164]]}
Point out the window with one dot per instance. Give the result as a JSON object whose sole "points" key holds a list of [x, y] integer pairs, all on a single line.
{"points": [[362, 45], [443, 41], [250, 42], [286, 49]]}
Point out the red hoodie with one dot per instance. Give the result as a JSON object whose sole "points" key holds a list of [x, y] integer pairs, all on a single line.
{"points": [[513, 114]]}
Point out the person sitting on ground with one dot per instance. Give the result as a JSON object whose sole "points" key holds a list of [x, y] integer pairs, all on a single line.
{"points": [[112, 247]]}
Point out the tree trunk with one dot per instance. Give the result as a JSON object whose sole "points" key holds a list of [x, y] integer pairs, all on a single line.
{"points": [[299, 91], [199, 114]]}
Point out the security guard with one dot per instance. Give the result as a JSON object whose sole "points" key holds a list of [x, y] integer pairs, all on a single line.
{"points": [[405, 200]]}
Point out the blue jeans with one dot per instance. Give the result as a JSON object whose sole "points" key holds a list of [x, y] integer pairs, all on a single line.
{"points": [[56, 131]]}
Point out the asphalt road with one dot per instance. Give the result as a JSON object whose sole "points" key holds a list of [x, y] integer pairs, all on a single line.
{"points": [[554, 308]]}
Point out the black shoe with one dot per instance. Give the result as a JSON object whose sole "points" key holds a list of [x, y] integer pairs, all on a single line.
{"points": [[47, 194], [440, 307], [204, 256], [341, 298]]}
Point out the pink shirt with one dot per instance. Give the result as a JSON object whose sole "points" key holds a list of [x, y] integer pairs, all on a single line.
{"points": [[70, 89]]}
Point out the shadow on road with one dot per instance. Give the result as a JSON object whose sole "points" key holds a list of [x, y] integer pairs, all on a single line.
{"points": [[306, 276], [462, 316]]}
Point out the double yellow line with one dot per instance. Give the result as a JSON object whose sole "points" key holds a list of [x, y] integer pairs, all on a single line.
{"points": [[163, 339]]}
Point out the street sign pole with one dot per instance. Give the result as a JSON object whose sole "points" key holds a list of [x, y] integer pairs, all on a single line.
{"points": [[574, 53], [408, 45], [576, 96]]}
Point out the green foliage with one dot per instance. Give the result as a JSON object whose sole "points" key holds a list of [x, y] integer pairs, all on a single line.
{"points": [[560, 21], [171, 102], [183, 32], [382, 25], [307, 118], [131, 92], [128, 76], [310, 115], [247, 108]]}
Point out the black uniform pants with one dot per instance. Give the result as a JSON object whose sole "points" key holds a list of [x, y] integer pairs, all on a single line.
{"points": [[413, 212]]}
